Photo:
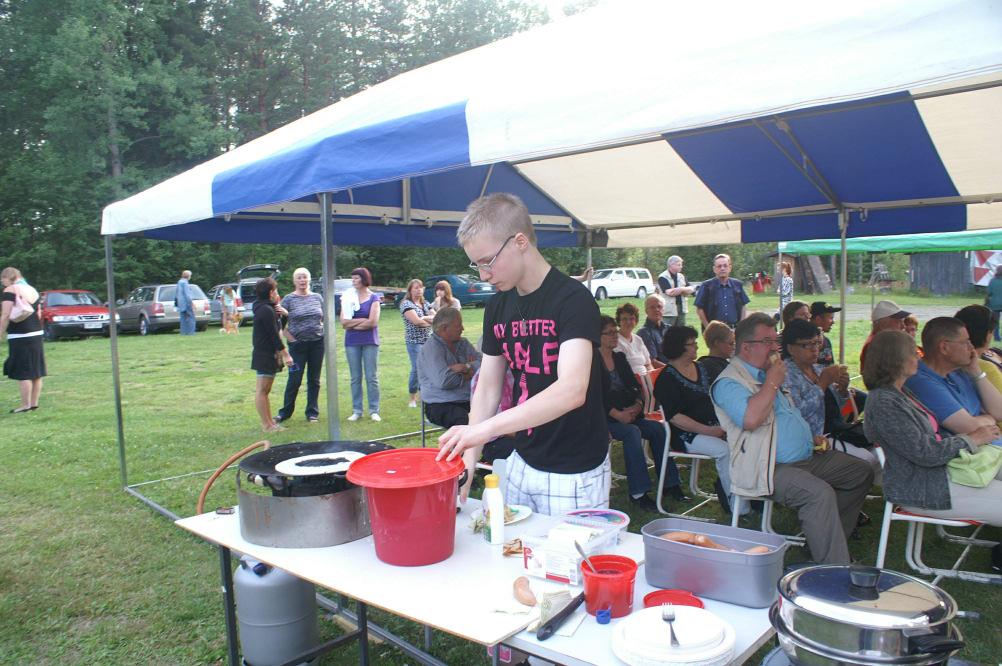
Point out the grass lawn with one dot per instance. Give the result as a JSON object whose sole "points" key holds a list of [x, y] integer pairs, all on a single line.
{"points": [[91, 575]]}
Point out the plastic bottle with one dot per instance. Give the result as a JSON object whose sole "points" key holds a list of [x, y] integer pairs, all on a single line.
{"points": [[492, 502]]}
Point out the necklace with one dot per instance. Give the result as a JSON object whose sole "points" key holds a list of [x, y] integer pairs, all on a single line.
{"points": [[521, 316]]}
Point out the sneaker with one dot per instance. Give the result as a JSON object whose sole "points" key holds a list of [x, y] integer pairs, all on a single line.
{"points": [[412, 404], [312, 419], [375, 417], [644, 502], [354, 417], [676, 493], [277, 418]]}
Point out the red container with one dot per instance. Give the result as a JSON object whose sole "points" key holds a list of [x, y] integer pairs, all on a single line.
{"points": [[412, 504], [612, 586]]}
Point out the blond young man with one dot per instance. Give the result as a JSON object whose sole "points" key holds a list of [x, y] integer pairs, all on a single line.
{"points": [[544, 327]]}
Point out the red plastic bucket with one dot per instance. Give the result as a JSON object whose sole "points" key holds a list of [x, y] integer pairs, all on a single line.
{"points": [[612, 586], [412, 504]]}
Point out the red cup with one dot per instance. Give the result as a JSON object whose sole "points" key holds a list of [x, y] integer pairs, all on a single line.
{"points": [[612, 586]]}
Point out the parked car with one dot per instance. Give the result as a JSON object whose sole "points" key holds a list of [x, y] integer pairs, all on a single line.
{"points": [[246, 292], [466, 288], [150, 308], [73, 313], [216, 305], [610, 282], [387, 295]]}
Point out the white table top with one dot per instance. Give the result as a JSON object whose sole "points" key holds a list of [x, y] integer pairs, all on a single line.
{"points": [[459, 595]]}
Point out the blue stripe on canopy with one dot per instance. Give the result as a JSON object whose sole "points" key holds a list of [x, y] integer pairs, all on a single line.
{"points": [[432, 140], [306, 231], [877, 152]]}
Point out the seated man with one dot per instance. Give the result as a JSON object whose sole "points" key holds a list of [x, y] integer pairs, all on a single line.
{"points": [[772, 449], [949, 381], [886, 316], [653, 330], [446, 364]]}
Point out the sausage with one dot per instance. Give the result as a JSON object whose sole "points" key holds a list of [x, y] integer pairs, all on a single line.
{"points": [[758, 550], [707, 542], [522, 591], [681, 537]]}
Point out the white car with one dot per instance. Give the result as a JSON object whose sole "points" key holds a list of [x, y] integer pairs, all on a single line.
{"points": [[610, 282]]}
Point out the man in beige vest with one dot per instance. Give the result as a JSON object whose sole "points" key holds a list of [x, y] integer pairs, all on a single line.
{"points": [[773, 453]]}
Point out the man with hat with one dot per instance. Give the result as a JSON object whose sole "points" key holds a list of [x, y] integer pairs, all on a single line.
{"points": [[886, 316], [823, 316]]}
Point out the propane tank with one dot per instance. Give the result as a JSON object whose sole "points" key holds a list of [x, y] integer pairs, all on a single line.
{"points": [[276, 611]]}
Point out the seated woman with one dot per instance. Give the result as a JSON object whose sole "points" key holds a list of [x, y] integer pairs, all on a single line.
{"points": [[980, 324], [632, 345], [621, 395], [683, 389], [719, 339], [807, 381], [915, 474], [795, 310]]}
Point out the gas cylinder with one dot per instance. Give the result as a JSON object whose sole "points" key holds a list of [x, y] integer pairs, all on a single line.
{"points": [[276, 611]]}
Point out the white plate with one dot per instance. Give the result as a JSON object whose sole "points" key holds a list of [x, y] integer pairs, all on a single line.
{"points": [[521, 513], [641, 639]]}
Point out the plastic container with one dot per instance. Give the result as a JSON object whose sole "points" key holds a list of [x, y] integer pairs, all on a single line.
{"points": [[734, 577], [612, 587], [493, 502], [412, 504]]}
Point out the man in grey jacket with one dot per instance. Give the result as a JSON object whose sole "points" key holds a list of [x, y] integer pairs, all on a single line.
{"points": [[446, 364], [773, 453]]}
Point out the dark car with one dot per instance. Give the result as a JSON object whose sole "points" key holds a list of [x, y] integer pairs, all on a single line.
{"points": [[387, 295], [151, 308], [243, 289], [467, 289], [73, 313]]}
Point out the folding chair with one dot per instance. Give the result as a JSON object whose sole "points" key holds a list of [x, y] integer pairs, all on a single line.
{"points": [[694, 488], [914, 541], [766, 525]]}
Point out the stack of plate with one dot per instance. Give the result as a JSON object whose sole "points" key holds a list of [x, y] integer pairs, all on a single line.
{"points": [[642, 639]]}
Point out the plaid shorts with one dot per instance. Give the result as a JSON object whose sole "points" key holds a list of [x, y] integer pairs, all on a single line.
{"points": [[554, 494]]}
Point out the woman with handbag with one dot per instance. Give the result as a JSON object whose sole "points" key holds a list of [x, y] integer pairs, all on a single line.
{"points": [[19, 321], [269, 354], [916, 473]]}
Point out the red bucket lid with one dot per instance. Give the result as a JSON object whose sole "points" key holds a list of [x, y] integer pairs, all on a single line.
{"points": [[403, 468]]}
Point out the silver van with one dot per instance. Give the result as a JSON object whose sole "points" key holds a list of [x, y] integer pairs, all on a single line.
{"points": [[150, 309]]}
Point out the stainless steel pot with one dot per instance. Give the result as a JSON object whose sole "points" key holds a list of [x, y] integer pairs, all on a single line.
{"points": [[863, 615], [297, 496]]}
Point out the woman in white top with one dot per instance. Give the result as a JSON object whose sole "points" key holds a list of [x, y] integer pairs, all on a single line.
{"points": [[632, 345]]}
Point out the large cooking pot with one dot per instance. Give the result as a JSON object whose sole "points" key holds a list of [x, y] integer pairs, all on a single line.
{"points": [[828, 615], [298, 496]]}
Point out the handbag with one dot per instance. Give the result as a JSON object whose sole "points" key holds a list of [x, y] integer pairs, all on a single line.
{"points": [[977, 469], [21, 309]]}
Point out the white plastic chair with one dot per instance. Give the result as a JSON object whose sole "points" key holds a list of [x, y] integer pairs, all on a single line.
{"points": [[914, 540]]}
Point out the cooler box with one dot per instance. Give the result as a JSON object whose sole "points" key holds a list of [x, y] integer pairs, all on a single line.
{"points": [[734, 577]]}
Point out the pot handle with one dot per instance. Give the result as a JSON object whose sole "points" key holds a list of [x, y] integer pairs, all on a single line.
{"points": [[462, 478], [934, 644]]}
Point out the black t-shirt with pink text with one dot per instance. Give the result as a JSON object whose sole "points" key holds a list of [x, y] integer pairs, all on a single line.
{"points": [[527, 331]]}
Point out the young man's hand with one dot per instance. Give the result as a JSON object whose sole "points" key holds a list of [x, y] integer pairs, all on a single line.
{"points": [[458, 439]]}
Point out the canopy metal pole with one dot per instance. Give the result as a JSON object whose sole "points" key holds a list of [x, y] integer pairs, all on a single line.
{"points": [[330, 318], [843, 224], [109, 270], [779, 278], [588, 258]]}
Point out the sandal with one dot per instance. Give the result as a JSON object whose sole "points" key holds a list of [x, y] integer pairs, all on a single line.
{"points": [[22, 410]]}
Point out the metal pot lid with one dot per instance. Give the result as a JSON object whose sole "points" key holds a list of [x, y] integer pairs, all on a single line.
{"points": [[266, 462], [867, 596]]}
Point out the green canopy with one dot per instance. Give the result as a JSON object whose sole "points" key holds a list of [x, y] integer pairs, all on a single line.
{"points": [[957, 241]]}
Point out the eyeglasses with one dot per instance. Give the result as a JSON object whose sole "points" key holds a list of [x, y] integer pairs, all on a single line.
{"points": [[806, 345], [692, 344], [490, 264], [772, 342], [611, 331]]}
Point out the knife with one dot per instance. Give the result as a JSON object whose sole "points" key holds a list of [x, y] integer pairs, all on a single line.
{"points": [[550, 627]]}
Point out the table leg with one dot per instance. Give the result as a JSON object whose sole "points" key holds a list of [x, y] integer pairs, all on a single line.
{"points": [[363, 634], [427, 638], [226, 573]]}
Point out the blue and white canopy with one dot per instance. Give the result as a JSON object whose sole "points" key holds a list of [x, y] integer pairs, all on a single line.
{"points": [[647, 123]]}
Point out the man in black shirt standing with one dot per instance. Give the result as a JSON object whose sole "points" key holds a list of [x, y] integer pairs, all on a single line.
{"points": [[544, 327]]}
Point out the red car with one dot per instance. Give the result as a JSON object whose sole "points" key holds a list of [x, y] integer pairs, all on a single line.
{"points": [[73, 313]]}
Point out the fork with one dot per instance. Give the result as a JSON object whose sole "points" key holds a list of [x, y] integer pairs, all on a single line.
{"points": [[668, 615]]}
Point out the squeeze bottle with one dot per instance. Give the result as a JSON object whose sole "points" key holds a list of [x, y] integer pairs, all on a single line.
{"points": [[492, 502]]}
